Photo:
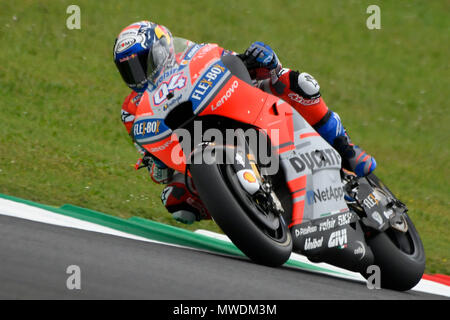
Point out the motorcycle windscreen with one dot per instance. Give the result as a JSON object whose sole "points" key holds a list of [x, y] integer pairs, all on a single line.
{"points": [[160, 56]]}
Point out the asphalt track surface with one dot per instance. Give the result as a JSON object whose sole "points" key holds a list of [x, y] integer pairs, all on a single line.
{"points": [[34, 258]]}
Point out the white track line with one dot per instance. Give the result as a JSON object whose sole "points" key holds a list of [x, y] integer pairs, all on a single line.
{"points": [[29, 212], [426, 286]]}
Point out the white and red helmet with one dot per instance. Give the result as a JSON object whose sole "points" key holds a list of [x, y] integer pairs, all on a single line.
{"points": [[141, 51]]}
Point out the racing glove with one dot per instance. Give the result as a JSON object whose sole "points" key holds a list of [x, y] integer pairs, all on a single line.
{"points": [[159, 172], [261, 61]]}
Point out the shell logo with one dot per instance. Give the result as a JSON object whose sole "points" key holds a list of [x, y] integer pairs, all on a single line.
{"points": [[249, 177]]}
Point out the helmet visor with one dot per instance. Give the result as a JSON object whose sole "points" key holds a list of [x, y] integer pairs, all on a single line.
{"points": [[133, 70], [160, 56]]}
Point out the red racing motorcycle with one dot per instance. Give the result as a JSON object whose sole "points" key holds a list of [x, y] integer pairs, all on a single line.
{"points": [[267, 178]]}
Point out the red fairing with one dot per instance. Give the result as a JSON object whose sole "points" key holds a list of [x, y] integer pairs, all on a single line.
{"points": [[129, 108], [244, 103], [202, 59]]}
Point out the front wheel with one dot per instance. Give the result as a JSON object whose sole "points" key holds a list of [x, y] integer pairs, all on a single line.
{"points": [[217, 191]]}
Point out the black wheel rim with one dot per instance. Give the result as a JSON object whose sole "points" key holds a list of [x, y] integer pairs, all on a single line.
{"points": [[278, 235]]}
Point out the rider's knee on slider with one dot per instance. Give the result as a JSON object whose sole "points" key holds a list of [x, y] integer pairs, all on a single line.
{"points": [[184, 206]]}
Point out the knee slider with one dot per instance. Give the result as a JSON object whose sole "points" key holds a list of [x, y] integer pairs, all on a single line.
{"points": [[304, 84]]}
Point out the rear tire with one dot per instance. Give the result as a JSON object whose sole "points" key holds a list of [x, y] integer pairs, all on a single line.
{"points": [[234, 221], [401, 266]]}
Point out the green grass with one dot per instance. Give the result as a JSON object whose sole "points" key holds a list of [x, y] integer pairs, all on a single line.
{"points": [[62, 141]]}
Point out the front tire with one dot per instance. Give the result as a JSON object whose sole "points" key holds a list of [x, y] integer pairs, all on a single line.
{"points": [[229, 215]]}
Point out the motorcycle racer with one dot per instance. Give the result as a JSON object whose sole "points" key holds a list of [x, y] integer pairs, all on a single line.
{"points": [[144, 50]]}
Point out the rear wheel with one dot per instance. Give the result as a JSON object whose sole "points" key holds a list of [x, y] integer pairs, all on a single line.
{"points": [[240, 216], [399, 255]]}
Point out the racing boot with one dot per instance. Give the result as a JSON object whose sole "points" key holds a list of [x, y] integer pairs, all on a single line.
{"points": [[353, 157], [184, 206]]}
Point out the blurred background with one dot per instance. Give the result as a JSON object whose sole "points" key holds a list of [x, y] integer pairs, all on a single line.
{"points": [[62, 140]]}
